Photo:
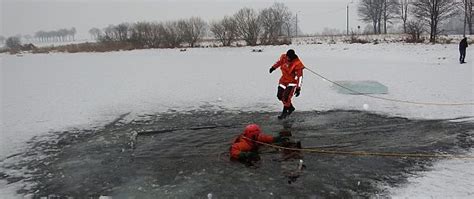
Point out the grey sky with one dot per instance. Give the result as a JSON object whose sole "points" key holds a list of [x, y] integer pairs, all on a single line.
{"points": [[28, 16]]}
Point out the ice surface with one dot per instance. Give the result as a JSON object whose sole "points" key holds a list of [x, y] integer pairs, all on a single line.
{"points": [[53, 92]]}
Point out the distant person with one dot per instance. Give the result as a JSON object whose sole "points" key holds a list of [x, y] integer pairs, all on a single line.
{"points": [[245, 148], [462, 50], [290, 81]]}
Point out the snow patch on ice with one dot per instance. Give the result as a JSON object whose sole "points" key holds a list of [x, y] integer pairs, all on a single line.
{"points": [[447, 179]]}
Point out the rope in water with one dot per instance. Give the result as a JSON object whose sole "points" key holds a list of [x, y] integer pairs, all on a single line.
{"points": [[391, 99], [365, 153]]}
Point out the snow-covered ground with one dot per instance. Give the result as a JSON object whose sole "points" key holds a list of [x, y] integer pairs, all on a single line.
{"points": [[52, 92]]}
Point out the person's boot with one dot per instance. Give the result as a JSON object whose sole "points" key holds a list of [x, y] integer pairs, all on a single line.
{"points": [[290, 110], [284, 113]]}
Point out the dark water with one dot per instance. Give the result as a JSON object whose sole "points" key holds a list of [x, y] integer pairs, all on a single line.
{"points": [[184, 155]]}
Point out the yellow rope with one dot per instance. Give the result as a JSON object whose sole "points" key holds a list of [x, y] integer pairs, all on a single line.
{"points": [[390, 99], [365, 153]]}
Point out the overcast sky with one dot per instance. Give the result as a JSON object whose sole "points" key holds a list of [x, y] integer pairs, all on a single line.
{"points": [[28, 16]]}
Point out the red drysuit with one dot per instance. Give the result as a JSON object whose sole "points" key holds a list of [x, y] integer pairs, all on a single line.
{"points": [[244, 143]]}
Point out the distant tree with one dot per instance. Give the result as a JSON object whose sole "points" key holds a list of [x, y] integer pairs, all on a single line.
{"points": [[13, 43], [122, 31], [389, 10], [414, 29], [171, 34], [115, 33], [146, 34], [225, 30], [95, 33], [40, 36], [402, 12], [370, 11], [248, 26], [433, 13], [72, 32], [377, 12], [2, 39], [467, 7], [192, 30], [271, 20], [109, 34], [157, 33], [61, 34], [139, 33], [289, 25]]}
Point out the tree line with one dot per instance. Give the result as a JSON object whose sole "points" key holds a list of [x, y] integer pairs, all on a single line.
{"points": [[417, 16], [272, 25], [56, 35]]}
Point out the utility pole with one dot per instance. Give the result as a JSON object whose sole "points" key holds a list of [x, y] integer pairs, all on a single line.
{"points": [[296, 24], [347, 17], [347, 20]]}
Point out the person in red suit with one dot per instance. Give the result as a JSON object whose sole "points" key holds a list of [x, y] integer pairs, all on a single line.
{"points": [[290, 81], [245, 148]]}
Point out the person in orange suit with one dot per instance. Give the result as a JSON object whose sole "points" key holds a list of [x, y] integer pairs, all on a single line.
{"points": [[245, 147], [290, 81]]}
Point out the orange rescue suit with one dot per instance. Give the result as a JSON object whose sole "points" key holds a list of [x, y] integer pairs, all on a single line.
{"points": [[242, 144], [291, 72]]}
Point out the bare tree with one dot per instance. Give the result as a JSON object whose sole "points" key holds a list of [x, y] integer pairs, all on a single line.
{"points": [[248, 25], [272, 20], [40, 36], [139, 33], [433, 13], [192, 30], [389, 10], [2, 39], [289, 25], [225, 30], [95, 33], [72, 32], [172, 36], [414, 29], [156, 36], [13, 43], [122, 31], [109, 34], [61, 35], [402, 12], [378, 12], [467, 7], [371, 11], [145, 34]]}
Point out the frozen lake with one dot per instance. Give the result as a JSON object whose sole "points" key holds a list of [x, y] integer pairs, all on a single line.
{"points": [[73, 92]]}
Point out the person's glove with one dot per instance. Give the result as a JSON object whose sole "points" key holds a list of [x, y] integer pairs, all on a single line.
{"points": [[271, 69], [297, 92], [249, 156], [280, 139]]}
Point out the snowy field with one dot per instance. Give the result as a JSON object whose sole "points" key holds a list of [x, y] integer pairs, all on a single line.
{"points": [[52, 92]]}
